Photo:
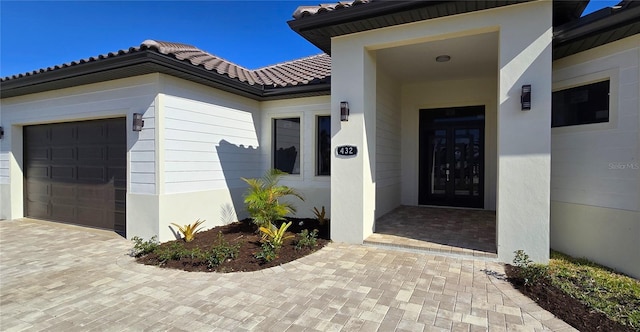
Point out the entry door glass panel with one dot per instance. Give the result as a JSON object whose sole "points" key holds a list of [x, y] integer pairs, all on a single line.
{"points": [[466, 163], [451, 157], [439, 170]]}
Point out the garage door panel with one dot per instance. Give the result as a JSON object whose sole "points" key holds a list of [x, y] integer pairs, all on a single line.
{"points": [[63, 154], [76, 173], [63, 172], [100, 218], [117, 154], [38, 188], [39, 172], [63, 134], [91, 153], [39, 154], [118, 175], [92, 133], [116, 133], [68, 192], [92, 174], [120, 221], [121, 195], [37, 209], [95, 195], [63, 212], [38, 134]]}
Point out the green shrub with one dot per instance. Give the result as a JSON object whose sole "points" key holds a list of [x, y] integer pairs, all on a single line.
{"points": [[263, 198], [267, 252], [221, 251], [141, 247], [529, 273], [174, 251], [307, 239]]}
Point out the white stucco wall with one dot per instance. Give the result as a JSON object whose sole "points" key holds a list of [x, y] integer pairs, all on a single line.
{"points": [[118, 98], [595, 169], [315, 188], [523, 138], [439, 94], [208, 139], [388, 144]]}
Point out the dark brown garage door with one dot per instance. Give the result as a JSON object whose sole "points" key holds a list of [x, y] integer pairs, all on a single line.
{"points": [[76, 173]]}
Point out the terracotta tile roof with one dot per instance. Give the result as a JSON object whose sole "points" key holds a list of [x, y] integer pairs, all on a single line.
{"points": [[71, 64], [297, 72], [304, 11], [301, 71]]}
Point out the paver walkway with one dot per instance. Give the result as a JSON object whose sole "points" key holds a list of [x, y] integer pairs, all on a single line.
{"points": [[64, 278]]}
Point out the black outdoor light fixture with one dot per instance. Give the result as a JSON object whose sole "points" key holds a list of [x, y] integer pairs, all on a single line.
{"points": [[525, 99], [138, 123], [1, 133], [443, 58], [344, 111]]}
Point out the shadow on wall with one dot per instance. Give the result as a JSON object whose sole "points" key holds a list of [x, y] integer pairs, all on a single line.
{"points": [[236, 162]]}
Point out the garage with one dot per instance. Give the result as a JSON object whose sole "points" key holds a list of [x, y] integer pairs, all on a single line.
{"points": [[76, 173]]}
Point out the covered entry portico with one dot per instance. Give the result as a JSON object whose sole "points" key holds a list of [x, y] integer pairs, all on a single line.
{"points": [[389, 76], [454, 231]]}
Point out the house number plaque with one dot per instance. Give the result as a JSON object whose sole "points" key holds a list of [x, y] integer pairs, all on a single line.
{"points": [[347, 150]]}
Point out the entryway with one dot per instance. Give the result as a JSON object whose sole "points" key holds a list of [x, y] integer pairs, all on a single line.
{"points": [[466, 232], [452, 157]]}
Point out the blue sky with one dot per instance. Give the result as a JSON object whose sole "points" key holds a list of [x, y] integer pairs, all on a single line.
{"points": [[253, 34]]}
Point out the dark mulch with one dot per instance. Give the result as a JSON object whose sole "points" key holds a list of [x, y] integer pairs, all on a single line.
{"points": [[563, 306], [244, 233]]}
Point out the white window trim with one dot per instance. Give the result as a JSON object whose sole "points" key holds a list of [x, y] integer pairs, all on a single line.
{"points": [[614, 82]]}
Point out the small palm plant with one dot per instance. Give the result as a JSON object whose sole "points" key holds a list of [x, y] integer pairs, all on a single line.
{"points": [[272, 240], [263, 199], [276, 236], [320, 215], [189, 230]]}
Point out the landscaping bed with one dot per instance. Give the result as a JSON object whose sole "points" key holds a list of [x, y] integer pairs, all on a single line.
{"points": [[587, 296], [242, 235]]}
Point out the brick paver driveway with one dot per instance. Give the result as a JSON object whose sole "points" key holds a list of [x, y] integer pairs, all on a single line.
{"points": [[64, 278]]}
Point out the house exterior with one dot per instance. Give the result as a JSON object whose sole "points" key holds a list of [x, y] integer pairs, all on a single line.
{"points": [[521, 107]]}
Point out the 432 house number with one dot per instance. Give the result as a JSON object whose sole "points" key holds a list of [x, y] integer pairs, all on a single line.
{"points": [[347, 150]]}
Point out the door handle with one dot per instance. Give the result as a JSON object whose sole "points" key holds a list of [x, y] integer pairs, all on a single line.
{"points": [[446, 171]]}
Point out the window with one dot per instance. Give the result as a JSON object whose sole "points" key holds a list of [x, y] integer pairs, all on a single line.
{"points": [[286, 145], [581, 105], [323, 146]]}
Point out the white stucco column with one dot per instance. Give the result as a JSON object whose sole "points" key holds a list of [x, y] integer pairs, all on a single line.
{"points": [[523, 137], [352, 177]]}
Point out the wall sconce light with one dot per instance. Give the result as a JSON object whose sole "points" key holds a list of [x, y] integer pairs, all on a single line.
{"points": [[1, 133], [138, 123], [443, 58], [525, 99], [344, 111]]}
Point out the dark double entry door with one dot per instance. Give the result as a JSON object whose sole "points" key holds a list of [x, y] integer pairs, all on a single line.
{"points": [[451, 169]]}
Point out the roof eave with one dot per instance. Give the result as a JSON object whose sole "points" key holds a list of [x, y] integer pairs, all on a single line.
{"points": [[147, 62], [322, 88], [567, 38], [317, 29]]}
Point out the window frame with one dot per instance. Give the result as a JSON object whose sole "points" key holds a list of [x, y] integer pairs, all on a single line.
{"points": [[583, 80], [317, 144], [300, 142]]}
